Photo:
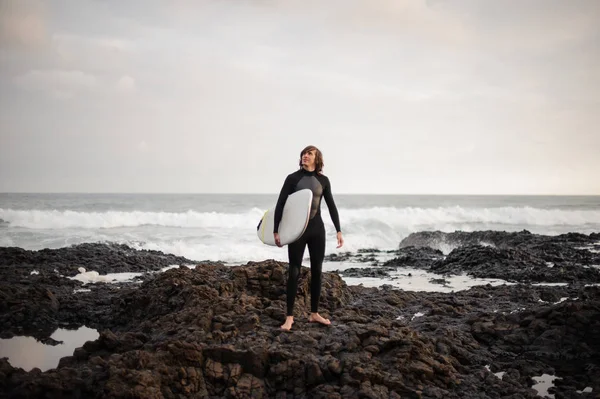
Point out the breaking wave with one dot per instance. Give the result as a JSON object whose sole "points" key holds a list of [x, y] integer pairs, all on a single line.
{"points": [[408, 218]]}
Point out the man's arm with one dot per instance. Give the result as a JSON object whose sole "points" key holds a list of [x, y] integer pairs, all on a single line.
{"points": [[286, 190], [333, 212]]}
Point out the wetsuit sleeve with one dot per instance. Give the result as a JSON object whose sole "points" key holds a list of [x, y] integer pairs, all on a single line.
{"points": [[333, 212], [286, 190]]}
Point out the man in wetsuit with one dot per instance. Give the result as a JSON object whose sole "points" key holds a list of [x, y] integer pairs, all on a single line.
{"points": [[309, 176]]}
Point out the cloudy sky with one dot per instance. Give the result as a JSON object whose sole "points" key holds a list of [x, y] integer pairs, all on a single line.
{"points": [[402, 96]]}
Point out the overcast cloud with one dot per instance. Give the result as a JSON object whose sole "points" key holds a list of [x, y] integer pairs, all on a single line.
{"points": [[402, 96]]}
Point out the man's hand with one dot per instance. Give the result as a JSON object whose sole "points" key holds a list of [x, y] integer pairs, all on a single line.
{"points": [[277, 240], [340, 239]]}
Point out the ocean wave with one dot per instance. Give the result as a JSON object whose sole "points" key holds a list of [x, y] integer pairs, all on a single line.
{"points": [[380, 219], [42, 219], [419, 217]]}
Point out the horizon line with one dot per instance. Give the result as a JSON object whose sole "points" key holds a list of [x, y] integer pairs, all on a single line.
{"points": [[277, 193]]}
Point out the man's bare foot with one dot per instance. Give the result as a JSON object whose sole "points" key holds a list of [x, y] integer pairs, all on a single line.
{"points": [[287, 326], [317, 318]]}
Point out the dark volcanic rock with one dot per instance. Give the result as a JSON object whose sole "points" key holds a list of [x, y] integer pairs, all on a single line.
{"points": [[517, 257], [437, 239], [31, 302], [377, 272], [341, 257], [517, 265], [460, 238], [103, 258], [421, 258], [561, 248], [363, 256], [213, 331]]}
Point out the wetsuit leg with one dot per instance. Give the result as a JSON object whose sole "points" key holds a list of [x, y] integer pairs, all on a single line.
{"points": [[295, 255], [316, 249]]}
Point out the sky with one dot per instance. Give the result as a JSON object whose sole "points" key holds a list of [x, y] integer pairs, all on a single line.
{"points": [[401, 96]]}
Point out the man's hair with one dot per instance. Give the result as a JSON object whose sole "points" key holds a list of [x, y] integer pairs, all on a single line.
{"points": [[318, 157]]}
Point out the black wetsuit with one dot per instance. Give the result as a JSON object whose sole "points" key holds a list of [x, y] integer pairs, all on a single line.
{"points": [[314, 235]]}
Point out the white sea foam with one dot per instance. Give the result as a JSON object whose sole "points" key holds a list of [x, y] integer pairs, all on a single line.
{"points": [[414, 216], [374, 218], [164, 269], [38, 219], [227, 251], [231, 236]]}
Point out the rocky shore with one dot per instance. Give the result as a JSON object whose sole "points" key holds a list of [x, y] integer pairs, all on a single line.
{"points": [[520, 257], [212, 330]]}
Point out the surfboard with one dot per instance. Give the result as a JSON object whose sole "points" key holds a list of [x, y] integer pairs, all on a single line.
{"points": [[296, 213]]}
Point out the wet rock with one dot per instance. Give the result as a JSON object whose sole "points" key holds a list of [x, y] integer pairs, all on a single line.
{"points": [[375, 272], [517, 257], [519, 265], [363, 255], [559, 248], [104, 258], [369, 250], [213, 331], [438, 239], [441, 281], [421, 258], [339, 257]]}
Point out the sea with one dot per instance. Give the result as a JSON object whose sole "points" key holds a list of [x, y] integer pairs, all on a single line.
{"points": [[222, 227]]}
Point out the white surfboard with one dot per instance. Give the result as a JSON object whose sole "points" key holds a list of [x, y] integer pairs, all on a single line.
{"points": [[296, 213]]}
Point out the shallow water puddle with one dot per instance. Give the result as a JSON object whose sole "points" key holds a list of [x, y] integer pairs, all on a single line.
{"points": [[517, 310], [561, 300], [334, 266], [419, 280], [28, 353], [543, 383], [594, 248], [587, 390], [94, 277], [418, 314], [499, 374], [550, 284]]}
